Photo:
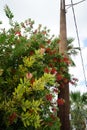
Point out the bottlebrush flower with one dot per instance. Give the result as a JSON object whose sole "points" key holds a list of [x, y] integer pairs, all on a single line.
{"points": [[53, 71], [49, 97], [46, 70], [60, 101], [66, 60], [59, 77]]}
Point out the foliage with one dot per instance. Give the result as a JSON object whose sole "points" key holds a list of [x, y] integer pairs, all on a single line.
{"points": [[78, 110], [30, 76]]}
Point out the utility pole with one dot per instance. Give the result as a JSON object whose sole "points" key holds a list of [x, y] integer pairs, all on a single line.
{"points": [[64, 92]]}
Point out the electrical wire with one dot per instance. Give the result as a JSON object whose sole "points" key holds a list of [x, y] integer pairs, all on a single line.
{"points": [[70, 5], [76, 3], [79, 43]]}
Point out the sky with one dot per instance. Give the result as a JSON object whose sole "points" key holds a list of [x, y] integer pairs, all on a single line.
{"points": [[47, 13]]}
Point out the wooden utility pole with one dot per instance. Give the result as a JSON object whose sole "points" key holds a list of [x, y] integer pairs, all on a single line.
{"points": [[64, 92]]}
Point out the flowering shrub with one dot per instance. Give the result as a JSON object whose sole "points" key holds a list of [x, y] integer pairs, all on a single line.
{"points": [[30, 77]]}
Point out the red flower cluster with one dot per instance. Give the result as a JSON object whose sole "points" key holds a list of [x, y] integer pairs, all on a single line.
{"points": [[59, 77], [60, 101], [46, 70], [66, 60], [49, 97], [53, 71]]}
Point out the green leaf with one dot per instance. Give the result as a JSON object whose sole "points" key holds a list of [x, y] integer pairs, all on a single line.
{"points": [[8, 12]]}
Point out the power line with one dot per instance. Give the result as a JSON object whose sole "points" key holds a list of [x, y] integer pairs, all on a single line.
{"points": [[76, 3], [79, 41], [70, 5]]}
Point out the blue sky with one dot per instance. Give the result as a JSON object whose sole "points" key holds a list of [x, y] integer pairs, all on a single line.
{"points": [[47, 13], [85, 42]]}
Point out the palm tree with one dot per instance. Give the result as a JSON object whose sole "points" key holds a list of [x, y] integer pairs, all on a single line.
{"points": [[78, 110], [71, 50]]}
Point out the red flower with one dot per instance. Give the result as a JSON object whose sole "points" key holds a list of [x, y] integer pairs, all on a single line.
{"points": [[32, 80], [55, 90], [53, 71], [53, 117], [49, 97], [66, 60], [55, 59], [18, 33], [65, 80], [31, 53], [44, 32], [50, 65], [48, 50], [35, 31], [46, 70], [49, 41], [60, 101], [12, 117], [59, 77]]}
